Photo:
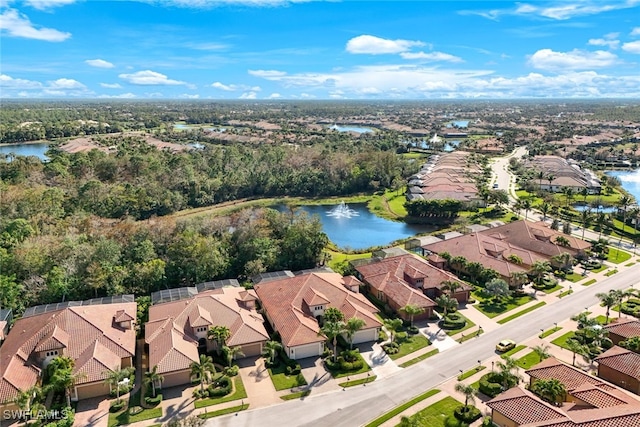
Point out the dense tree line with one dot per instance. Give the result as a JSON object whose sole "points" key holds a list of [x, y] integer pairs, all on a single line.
{"points": [[83, 256]]}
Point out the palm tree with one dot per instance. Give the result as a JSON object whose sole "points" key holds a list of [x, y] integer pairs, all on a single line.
{"points": [[114, 378], [219, 335], [451, 286], [538, 270], [608, 300], [508, 369], [563, 241], [563, 261], [575, 347], [64, 379], [584, 192], [526, 205], [542, 351], [545, 208], [25, 398], [469, 392], [586, 220], [393, 326], [474, 270], [519, 278], [632, 344], [623, 203], [447, 303], [331, 330], [498, 289], [352, 326], [412, 310], [270, 351], [550, 178], [550, 390], [232, 353], [153, 377], [541, 176], [202, 369], [332, 314], [458, 263]]}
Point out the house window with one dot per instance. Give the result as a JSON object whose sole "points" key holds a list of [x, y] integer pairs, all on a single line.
{"points": [[52, 353], [201, 329]]}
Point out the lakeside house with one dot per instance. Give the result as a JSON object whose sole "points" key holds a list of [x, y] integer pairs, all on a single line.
{"points": [[564, 174]]}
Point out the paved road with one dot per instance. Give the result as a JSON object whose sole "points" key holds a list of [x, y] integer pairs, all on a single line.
{"points": [[502, 176], [358, 405]]}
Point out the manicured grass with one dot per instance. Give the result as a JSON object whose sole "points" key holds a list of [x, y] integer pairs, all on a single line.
{"points": [[396, 202], [528, 360], [630, 264], [521, 313], [282, 381], [475, 334], [419, 358], [399, 409], [358, 382], [617, 256], [549, 332], [599, 269], [224, 411], [239, 393], [123, 417], [561, 341], [602, 319], [513, 351], [338, 258], [611, 273], [411, 344], [574, 277], [552, 290], [589, 282], [440, 414], [565, 293], [339, 374], [469, 324], [492, 309], [471, 372], [298, 395]]}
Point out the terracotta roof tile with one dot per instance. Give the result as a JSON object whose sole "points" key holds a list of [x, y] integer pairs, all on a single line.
{"points": [[571, 377], [626, 328], [523, 407], [621, 360]]}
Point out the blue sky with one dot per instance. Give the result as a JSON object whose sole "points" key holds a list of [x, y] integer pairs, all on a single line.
{"points": [[278, 49]]}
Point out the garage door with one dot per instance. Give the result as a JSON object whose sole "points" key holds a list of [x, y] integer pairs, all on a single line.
{"points": [[309, 350], [252, 350], [366, 335], [176, 378]]}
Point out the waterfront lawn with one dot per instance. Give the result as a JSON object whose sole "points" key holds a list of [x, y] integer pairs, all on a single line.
{"points": [[487, 306], [561, 341], [338, 259], [409, 345]]}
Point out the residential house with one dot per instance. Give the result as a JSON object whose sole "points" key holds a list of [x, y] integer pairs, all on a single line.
{"points": [[621, 367], [5, 319], [408, 279], [98, 336], [589, 402], [565, 174], [176, 333], [294, 307], [623, 329]]}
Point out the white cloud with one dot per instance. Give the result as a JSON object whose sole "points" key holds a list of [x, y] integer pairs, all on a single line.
{"points": [[99, 63], [127, 95], [148, 77], [48, 4], [189, 96], [221, 86], [632, 47], [16, 24], [249, 95], [547, 59], [267, 73], [635, 32], [558, 10], [208, 4], [11, 83], [111, 85], [275, 95], [375, 45], [66, 84], [305, 95], [612, 44], [208, 46], [431, 56]]}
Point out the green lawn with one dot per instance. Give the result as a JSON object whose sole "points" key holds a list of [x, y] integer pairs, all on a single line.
{"points": [[611, 273], [337, 373], [550, 332], [352, 383], [513, 351], [630, 264], [467, 337], [561, 341], [574, 277], [552, 290], [123, 417], [471, 372], [411, 344], [298, 395], [419, 358], [528, 360], [521, 313], [239, 393], [282, 381], [617, 256], [399, 409], [338, 258], [467, 325], [225, 411], [565, 293], [602, 319], [396, 202], [492, 309], [589, 282], [599, 269], [439, 414]]}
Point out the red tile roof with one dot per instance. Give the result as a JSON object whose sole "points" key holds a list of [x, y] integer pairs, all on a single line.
{"points": [[626, 328], [621, 360], [523, 407], [283, 300], [87, 334], [571, 377]]}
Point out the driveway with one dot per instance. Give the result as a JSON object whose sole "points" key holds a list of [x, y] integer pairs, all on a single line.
{"points": [[92, 413], [257, 382]]}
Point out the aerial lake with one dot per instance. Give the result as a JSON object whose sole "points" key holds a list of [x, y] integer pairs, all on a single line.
{"points": [[630, 181], [459, 123], [353, 226], [351, 129], [37, 150]]}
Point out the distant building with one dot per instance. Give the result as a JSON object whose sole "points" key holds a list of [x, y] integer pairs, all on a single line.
{"points": [[565, 174]]}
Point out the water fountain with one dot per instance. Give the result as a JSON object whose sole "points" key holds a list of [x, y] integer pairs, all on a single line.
{"points": [[342, 211]]}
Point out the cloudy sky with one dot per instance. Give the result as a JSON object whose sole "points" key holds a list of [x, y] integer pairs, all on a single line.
{"points": [[280, 49]]}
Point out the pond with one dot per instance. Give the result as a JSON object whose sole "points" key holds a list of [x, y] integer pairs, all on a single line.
{"points": [[459, 124], [448, 147], [351, 129], [595, 209], [630, 181], [37, 150], [353, 226]]}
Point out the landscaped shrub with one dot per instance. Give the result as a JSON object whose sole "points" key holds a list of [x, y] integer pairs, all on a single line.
{"points": [[66, 421], [200, 394], [153, 401], [471, 301], [231, 371], [391, 348], [221, 387], [487, 422], [413, 330], [453, 321], [606, 343], [401, 336], [135, 410], [631, 307], [467, 414], [491, 384], [382, 336], [116, 406], [350, 355]]}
